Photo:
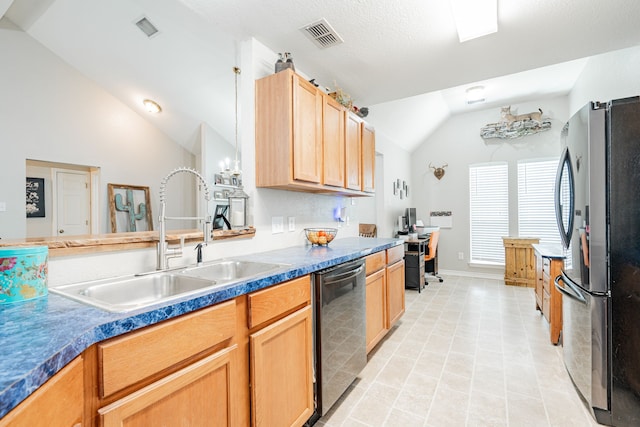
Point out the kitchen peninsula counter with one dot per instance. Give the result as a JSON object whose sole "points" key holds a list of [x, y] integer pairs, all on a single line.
{"points": [[41, 336]]}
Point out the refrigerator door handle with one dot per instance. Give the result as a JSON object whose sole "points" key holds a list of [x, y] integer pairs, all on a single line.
{"points": [[570, 290]]}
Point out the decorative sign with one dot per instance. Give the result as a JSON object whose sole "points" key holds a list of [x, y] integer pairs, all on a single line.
{"points": [[515, 126], [35, 198]]}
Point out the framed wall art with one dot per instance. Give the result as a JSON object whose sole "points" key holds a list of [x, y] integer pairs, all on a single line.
{"points": [[35, 198], [129, 208]]}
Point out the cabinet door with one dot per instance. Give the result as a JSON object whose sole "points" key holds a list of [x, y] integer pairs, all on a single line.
{"points": [[368, 158], [307, 131], [198, 395], [395, 292], [333, 142], [58, 403], [281, 357], [353, 152], [376, 302]]}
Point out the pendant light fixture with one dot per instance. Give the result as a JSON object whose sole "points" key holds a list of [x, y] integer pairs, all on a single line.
{"points": [[237, 198]]}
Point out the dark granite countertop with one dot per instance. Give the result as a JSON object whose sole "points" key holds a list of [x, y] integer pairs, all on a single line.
{"points": [[39, 337], [549, 251]]}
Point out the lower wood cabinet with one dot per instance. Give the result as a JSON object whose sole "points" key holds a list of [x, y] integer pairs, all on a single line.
{"points": [[385, 302], [376, 312], [548, 298], [57, 403], [395, 292], [281, 354], [199, 395]]}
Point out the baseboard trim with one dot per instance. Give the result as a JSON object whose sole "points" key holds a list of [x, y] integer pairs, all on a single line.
{"points": [[471, 274]]}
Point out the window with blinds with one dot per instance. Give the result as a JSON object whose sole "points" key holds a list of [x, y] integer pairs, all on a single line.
{"points": [[536, 211], [489, 211]]}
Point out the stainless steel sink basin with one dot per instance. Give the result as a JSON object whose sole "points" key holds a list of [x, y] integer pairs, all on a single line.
{"points": [[229, 270], [130, 293]]}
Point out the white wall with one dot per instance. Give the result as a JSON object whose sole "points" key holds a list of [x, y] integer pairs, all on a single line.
{"points": [[458, 143], [606, 77], [49, 111]]}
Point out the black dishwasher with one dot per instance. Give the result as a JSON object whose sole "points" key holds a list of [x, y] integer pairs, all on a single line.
{"points": [[340, 331]]}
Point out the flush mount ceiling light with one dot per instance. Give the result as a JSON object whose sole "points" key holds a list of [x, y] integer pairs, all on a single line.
{"points": [[152, 106], [475, 94], [475, 18]]}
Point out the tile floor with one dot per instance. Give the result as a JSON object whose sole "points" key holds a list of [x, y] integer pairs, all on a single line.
{"points": [[467, 352]]}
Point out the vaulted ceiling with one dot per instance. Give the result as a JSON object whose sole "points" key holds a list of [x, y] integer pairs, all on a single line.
{"points": [[397, 56]]}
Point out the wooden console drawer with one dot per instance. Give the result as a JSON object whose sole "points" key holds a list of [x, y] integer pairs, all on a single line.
{"points": [[395, 254], [375, 262], [277, 300], [133, 357]]}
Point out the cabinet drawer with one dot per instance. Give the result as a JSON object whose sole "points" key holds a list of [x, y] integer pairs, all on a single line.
{"points": [[395, 254], [375, 262], [138, 355], [269, 303], [546, 301]]}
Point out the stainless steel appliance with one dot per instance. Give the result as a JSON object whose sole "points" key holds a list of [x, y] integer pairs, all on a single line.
{"points": [[340, 331], [598, 212]]}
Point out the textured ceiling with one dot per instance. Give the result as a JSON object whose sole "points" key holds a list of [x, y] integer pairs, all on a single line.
{"points": [[396, 54]]}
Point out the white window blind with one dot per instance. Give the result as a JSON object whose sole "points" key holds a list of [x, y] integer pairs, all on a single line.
{"points": [[489, 211], [536, 212]]}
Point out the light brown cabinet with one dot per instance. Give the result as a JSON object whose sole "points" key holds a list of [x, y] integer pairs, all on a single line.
{"points": [[281, 354], [306, 141], [333, 142], [368, 158], [395, 285], [353, 152], [200, 394], [385, 303], [548, 298], [187, 369], [57, 403], [519, 261]]}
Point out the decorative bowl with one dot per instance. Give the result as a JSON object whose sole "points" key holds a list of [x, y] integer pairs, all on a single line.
{"points": [[320, 236]]}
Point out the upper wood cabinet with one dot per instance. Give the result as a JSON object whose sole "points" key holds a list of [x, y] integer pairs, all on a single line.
{"points": [[306, 141], [333, 142], [368, 158], [353, 152]]}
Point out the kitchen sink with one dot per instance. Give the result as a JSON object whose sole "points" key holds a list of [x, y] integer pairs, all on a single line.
{"points": [[128, 293], [132, 292], [228, 270]]}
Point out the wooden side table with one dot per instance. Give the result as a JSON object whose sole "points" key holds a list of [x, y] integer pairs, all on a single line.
{"points": [[549, 260], [519, 261]]}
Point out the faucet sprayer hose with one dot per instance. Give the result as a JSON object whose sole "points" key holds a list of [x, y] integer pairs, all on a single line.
{"points": [[165, 180]]}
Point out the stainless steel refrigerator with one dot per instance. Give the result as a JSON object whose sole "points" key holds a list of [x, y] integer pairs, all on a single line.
{"points": [[598, 212]]}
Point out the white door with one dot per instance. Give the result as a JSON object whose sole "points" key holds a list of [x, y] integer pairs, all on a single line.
{"points": [[73, 203]]}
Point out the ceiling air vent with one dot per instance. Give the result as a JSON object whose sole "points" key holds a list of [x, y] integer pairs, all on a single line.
{"points": [[322, 34], [146, 27]]}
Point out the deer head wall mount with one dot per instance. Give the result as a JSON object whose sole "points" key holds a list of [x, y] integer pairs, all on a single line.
{"points": [[438, 172]]}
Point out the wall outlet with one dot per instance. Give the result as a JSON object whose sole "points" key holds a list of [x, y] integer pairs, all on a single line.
{"points": [[292, 223], [277, 225], [461, 256]]}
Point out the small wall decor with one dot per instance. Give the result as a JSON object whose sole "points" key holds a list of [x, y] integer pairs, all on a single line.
{"points": [[129, 208], [515, 126], [438, 172], [400, 188], [443, 219], [35, 198]]}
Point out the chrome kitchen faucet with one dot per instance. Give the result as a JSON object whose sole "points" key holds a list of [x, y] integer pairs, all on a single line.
{"points": [[164, 252]]}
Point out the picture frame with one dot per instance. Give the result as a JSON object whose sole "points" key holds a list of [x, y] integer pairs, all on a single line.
{"points": [[226, 180], [35, 200], [129, 208], [234, 181], [218, 195], [217, 178], [220, 217], [395, 189]]}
